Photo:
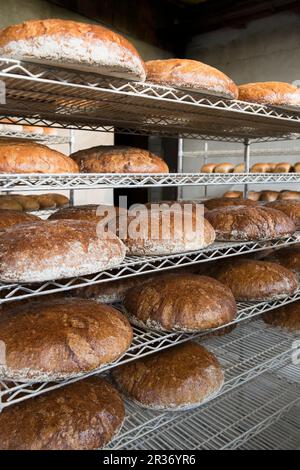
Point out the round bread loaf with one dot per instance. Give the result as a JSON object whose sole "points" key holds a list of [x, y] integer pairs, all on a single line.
{"points": [[250, 223], [208, 168], [257, 280], [254, 195], [261, 168], [287, 317], [71, 44], [61, 339], [27, 157], [9, 218], [288, 257], [290, 208], [239, 168], [288, 195], [47, 250], [270, 93], [89, 212], [269, 196], [60, 200], [46, 201], [219, 202], [118, 159], [184, 302], [160, 232], [283, 168], [9, 203], [224, 168], [85, 415], [191, 75], [233, 194], [179, 378]]}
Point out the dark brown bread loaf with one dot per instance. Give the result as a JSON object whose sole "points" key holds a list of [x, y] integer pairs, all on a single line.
{"points": [[250, 223], [219, 202], [85, 415], [192, 75], [178, 378], [184, 302], [288, 257], [89, 212], [290, 208], [80, 46], [118, 159], [287, 317], [60, 339], [257, 280], [42, 251], [271, 93], [9, 218], [27, 157]]}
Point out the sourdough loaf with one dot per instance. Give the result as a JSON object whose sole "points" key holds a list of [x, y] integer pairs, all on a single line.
{"points": [[287, 317], [27, 157], [269, 196], [85, 415], [290, 208], [288, 195], [72, 44], [61, 339], [288, 257], [178, 378], [218, 202], [28, 203], [270, 93], [42, 251], [183, 302], [118, 159], [9, 218], [250, 223], [89, 212], [257, 280], [192, 75]]}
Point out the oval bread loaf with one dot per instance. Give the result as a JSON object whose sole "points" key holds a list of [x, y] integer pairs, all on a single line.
{"points": [[286, 317], [270, 93], [289, 207]]}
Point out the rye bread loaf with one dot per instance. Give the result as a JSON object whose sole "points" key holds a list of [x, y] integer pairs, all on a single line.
{"points": [[218, 202], [252, 280], [289, 207], [179, 378], [47, 250], [60, 339], [88, 212], [85, 415], [270, 93], [191, 75], [250, 223], [28, 157], [288, 257], [118, 159], [183, 302], [82, 46], [287, 317], [10, 218]]}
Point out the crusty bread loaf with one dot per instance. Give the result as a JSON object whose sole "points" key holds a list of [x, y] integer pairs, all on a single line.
{"points": [[28, 203], [208, 168], [9, 218], [60, 200], [10, 203], [224, 168], [192, 75], [159, 232], [178, 378], [72, 44], [254, 195], [261, 168], [288, 195], [219, 202], [240, 168], [42, 251], [283, 167], [183, 302], [118, 159], [85, 415], [269, 196], [287, 317], [89, 212], [290, 208], [233, 194], [46, 201], [252, 280], [288, 257], [27, 157], [270, 93], [61, 339], [250, 223]]}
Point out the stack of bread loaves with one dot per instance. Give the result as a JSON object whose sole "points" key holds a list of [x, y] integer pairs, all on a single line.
{"points": [[283, 167]]}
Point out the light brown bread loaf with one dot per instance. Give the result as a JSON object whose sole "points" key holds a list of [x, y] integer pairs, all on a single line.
{"points": [[224, 168], [240, 168], [261, 168], [208, 168], [270, 93], [60, 200], [85, 415], [233, 194], [28, 203], [219, 202], [289, 195], [286, 317], [269, 196], [9, 203], [290, 208], [283, 167], [10, 218], [254, 195]]}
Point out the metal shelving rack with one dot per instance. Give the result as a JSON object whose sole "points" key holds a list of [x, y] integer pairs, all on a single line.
{"points": [[32, 136], [62, 98]]}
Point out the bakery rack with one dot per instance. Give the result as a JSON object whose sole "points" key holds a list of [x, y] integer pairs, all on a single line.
{"points": [[32, 136], [41, 95]]}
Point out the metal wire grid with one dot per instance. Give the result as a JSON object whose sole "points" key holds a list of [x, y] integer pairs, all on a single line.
{"points": [[226, 423], [42, 139], [137, 265], [273, 151], [43, 92], [26, 182]]}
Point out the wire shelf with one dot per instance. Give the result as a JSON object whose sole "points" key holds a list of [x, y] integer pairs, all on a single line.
{"points": [[42, 93], [269, 151], [32, 136], [138, 265], [30, 182], [225, 423]]}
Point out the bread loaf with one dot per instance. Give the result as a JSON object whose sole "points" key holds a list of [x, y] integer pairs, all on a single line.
{"points": [[250, 223], [219, 202], [270, 93], [288, 257], [71, 44], [287, 317], [27, 202], [10, 218], [224, 168], [269, 196], [240, 168], [233, 194], [89, 212], [254, 195], [61, 339], [9, 203], [178, 378], [85, 415], [191, 75], [208, 168], [47, 250], [290, 208], [283, 168], [288, 195], [252, 280], [184, 302], [60, 200], [297, 167], [118, 159], [27, 157], [261, 168]]}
